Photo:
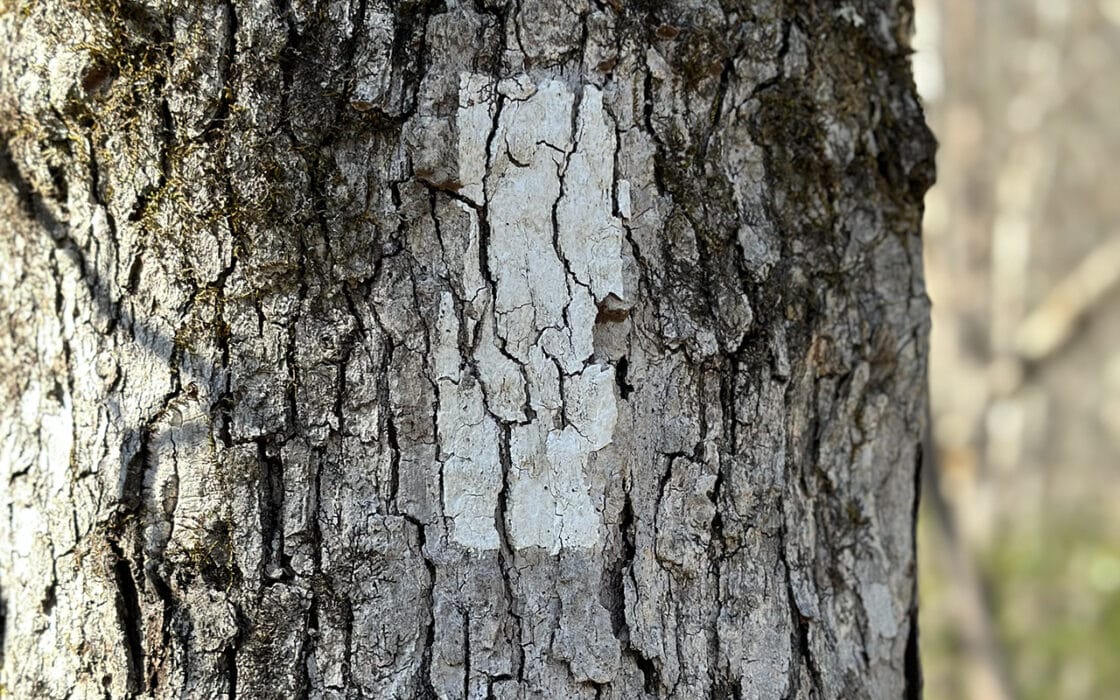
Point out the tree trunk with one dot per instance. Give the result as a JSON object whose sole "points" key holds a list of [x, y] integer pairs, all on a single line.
{"points": [[418, 349]]}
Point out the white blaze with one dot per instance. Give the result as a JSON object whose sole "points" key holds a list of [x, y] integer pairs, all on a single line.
{"points": [[534, 353]]}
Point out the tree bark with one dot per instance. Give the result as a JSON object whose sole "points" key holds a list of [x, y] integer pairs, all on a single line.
{"points": [[418, 349]]}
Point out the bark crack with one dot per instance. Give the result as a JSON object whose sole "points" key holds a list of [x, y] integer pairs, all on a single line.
{"points": [[131, 619]]}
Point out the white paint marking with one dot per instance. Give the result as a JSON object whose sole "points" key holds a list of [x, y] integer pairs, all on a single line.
{"points": [[543, 317]]}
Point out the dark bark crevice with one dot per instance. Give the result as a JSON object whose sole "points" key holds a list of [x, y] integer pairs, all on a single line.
{"points": [[130, 617]]}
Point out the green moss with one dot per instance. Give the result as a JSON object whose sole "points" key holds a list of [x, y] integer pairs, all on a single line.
{"points": [[700, 57], [788, 125]]}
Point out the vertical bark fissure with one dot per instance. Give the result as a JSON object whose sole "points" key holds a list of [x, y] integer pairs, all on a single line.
{"points": [[506, 557], [424, 681], [130, 618], [272, 509], [466, 653], [913, 660]]}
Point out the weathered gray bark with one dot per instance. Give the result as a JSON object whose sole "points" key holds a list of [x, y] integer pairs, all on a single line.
{"points": [[358, 348]]}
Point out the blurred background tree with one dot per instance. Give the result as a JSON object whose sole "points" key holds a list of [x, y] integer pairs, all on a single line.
{"points": [[1020, 530]]}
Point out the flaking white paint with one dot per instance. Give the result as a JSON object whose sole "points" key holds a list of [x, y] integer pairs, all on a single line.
{"points": [[474, 121], [472, 471], [536, 334], [590, 235], [468, 441]]}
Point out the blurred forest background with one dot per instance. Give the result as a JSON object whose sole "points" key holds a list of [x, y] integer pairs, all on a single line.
{"points": [[1020, 523]]}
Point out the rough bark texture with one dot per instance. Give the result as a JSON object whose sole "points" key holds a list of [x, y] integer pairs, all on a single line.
{"points": [[393, 349]]}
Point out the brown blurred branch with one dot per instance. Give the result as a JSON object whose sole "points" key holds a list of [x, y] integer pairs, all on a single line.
{"points": [[1053, 322], [987, 673]]}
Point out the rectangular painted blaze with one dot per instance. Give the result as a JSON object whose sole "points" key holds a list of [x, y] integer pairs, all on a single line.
{"points": [[554, 255]]}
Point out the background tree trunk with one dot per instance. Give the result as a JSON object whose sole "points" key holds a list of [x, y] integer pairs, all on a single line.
{"points": [[393, 349]]}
